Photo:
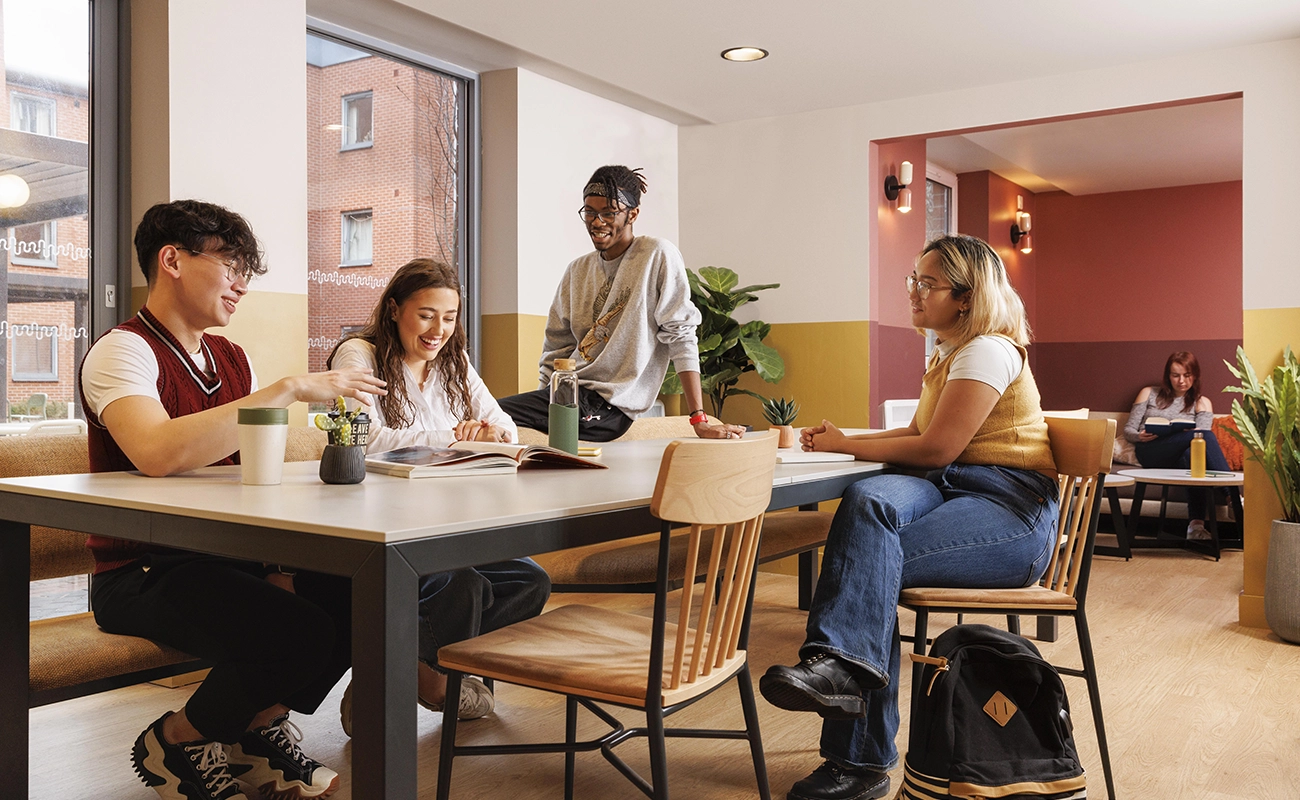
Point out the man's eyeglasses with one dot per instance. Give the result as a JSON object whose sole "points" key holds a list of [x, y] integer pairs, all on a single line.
{"points": [[606, 216], [233, 269], [922, 288]]}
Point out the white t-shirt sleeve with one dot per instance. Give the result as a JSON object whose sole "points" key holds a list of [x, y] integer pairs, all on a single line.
{"points": [[121, 364], [991, 360]]}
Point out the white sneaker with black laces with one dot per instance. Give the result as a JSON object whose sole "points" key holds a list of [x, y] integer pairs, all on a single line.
{"points": [[270, 760], [184, 771]]}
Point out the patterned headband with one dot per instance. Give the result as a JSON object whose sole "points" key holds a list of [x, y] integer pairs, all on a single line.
{"points": [[598, 189]]}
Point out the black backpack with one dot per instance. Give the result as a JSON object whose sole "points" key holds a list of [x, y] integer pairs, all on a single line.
{"points": [[992, 720]]}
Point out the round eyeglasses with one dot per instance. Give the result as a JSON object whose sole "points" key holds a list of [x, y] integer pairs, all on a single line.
{"points": [[922, 288], [233, 270]]}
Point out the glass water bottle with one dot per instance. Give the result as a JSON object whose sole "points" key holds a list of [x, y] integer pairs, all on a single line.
{"points": [[564, 406], [1198, 456]]}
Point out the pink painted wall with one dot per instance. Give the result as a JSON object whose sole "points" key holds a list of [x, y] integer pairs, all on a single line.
{"points": [[1124, 279], [897, 352]]}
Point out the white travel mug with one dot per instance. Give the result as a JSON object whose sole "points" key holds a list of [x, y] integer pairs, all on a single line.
{"points": [[262, 436]]}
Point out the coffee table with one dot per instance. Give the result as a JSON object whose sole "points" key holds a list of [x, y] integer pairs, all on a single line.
{"points": [[1232, 481]]}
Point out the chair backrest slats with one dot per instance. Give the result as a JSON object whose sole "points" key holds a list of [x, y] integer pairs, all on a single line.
{"points": [[720, 489], [1082, 450]]}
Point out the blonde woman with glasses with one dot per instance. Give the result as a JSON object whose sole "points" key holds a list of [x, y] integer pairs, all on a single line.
{"points": [[983, 516]]}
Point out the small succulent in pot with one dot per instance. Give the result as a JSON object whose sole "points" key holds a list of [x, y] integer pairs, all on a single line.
{"points": [[345, 428], [782, 414], [780, 411]]}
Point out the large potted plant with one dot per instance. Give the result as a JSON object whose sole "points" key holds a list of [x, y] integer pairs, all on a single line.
{"points": [[1268, 426], [728, 348]]}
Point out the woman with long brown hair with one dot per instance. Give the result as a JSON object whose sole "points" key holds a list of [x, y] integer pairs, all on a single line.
{"points": [[1177, 398], [416, 342]]}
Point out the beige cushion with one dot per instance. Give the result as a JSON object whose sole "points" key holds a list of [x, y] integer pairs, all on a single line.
{"points": [[634, 561], [1032, 597], [67, 651], [592, 652]]}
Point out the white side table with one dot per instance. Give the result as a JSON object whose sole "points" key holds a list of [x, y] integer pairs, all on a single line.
{"points": [[1232, 481]]}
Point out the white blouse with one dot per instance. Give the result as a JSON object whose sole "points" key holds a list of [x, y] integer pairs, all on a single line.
{"points": [[434, 423]]}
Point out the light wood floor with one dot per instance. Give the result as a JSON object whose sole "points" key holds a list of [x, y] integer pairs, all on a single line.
{"points": [[1196, 707]]}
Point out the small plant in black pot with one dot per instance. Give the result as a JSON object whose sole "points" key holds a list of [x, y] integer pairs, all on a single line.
{"points": [[344, 459]]}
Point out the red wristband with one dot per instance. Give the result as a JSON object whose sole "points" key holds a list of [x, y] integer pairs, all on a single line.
{"points": [[697, 417]]}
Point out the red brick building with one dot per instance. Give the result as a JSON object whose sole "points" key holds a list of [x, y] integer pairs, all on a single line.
{"points": [[381, 149]]}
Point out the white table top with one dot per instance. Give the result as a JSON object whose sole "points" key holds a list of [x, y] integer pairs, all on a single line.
{"points": [[1182, 477], [1115, 480], [388, 509]]}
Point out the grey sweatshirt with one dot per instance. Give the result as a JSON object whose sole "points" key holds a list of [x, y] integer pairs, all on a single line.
{"points": [[622, 321], [1176, 410]]}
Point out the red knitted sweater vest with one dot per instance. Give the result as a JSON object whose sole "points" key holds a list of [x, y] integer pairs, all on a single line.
{"points": [[183, 389]]}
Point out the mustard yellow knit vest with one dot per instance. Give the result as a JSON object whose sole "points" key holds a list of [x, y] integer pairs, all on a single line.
{"points": [[1013, 435]]}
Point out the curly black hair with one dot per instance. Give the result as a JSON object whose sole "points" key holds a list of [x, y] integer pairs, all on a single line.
{"points": [[618, 178], [199, 227]]}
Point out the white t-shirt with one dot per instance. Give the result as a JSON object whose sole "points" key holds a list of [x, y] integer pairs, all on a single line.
{"points": [[991, 360], [122, 364], [434, 422]]}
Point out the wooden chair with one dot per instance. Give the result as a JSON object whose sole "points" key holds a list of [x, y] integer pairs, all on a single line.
{"points": [[720, 488], [1082, 450]]}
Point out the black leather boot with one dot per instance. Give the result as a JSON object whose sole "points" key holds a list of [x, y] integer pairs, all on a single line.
{"points": [[830, 781], [820, 683]]}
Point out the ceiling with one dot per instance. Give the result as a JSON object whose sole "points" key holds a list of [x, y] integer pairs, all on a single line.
{"points": [[1178, 146], [844, 52], [662, 57]]}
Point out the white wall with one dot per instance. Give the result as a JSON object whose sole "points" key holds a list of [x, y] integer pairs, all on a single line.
{"points": [[797, 192], [238, 108], [560, 137]]}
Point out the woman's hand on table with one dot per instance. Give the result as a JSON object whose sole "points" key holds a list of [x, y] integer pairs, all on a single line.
{"points": [[823, 438], [480, 430]]}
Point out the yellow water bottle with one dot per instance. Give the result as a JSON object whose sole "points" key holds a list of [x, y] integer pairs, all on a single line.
{"points": [[1198, 456]]}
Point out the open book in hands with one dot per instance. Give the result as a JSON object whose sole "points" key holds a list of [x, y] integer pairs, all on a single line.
{"points": [[1163, 427], [472, 458]]}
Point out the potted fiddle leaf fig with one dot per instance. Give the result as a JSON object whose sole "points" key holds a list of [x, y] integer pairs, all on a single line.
{"points": [[728, 348], [782, 414], [1268, 427]]}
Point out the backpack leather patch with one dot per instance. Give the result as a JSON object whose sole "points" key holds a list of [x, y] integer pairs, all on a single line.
{"points": [[1000, 708]]}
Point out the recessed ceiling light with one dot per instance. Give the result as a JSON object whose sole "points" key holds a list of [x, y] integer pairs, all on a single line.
{"points": [[744, 53]]}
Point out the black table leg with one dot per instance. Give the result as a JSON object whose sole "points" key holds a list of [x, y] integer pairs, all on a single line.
{"points": [[1121, 530], [384, 595], [15, 571], [1135, 511], [807, 570]]}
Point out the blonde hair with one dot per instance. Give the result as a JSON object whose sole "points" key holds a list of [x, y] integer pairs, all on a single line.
{"points": [[974, 268]]}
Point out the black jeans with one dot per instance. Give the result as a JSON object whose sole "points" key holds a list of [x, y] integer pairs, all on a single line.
{"points": [[598, 421], [1174, 451], [464, 603], [266, 645]]}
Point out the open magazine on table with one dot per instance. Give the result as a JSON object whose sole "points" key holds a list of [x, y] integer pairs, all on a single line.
{"points": [[472, 458]]}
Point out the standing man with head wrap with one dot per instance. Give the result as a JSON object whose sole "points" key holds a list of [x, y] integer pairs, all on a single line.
{"points": [[622, 311]]}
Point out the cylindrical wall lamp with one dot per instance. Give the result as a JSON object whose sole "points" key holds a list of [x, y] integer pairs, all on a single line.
{"points": [[896, 187], [1020, 228]]}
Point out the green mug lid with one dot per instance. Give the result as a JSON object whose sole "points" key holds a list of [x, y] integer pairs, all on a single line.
{"points": [[263, 416]]}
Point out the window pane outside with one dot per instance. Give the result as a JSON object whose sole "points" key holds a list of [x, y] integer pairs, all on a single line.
{"points": [[938, 222], [44, 205], [376, 207], [358, 120], [358, 244]]}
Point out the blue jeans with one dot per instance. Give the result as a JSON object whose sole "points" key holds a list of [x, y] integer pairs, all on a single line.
{"points": [[463, 603], [1174, 451], [964, 525]]}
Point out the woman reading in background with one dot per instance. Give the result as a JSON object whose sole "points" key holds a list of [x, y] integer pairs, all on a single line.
{"points": [[983, 517], [1178, 398], [416, 339]]}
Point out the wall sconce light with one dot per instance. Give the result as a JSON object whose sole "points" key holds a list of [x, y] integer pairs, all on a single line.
{"points": [[1020, 228], [896, 188]]}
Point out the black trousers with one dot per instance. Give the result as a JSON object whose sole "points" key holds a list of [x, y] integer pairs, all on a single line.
{"points": [[598, 421], [267, 646]]}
